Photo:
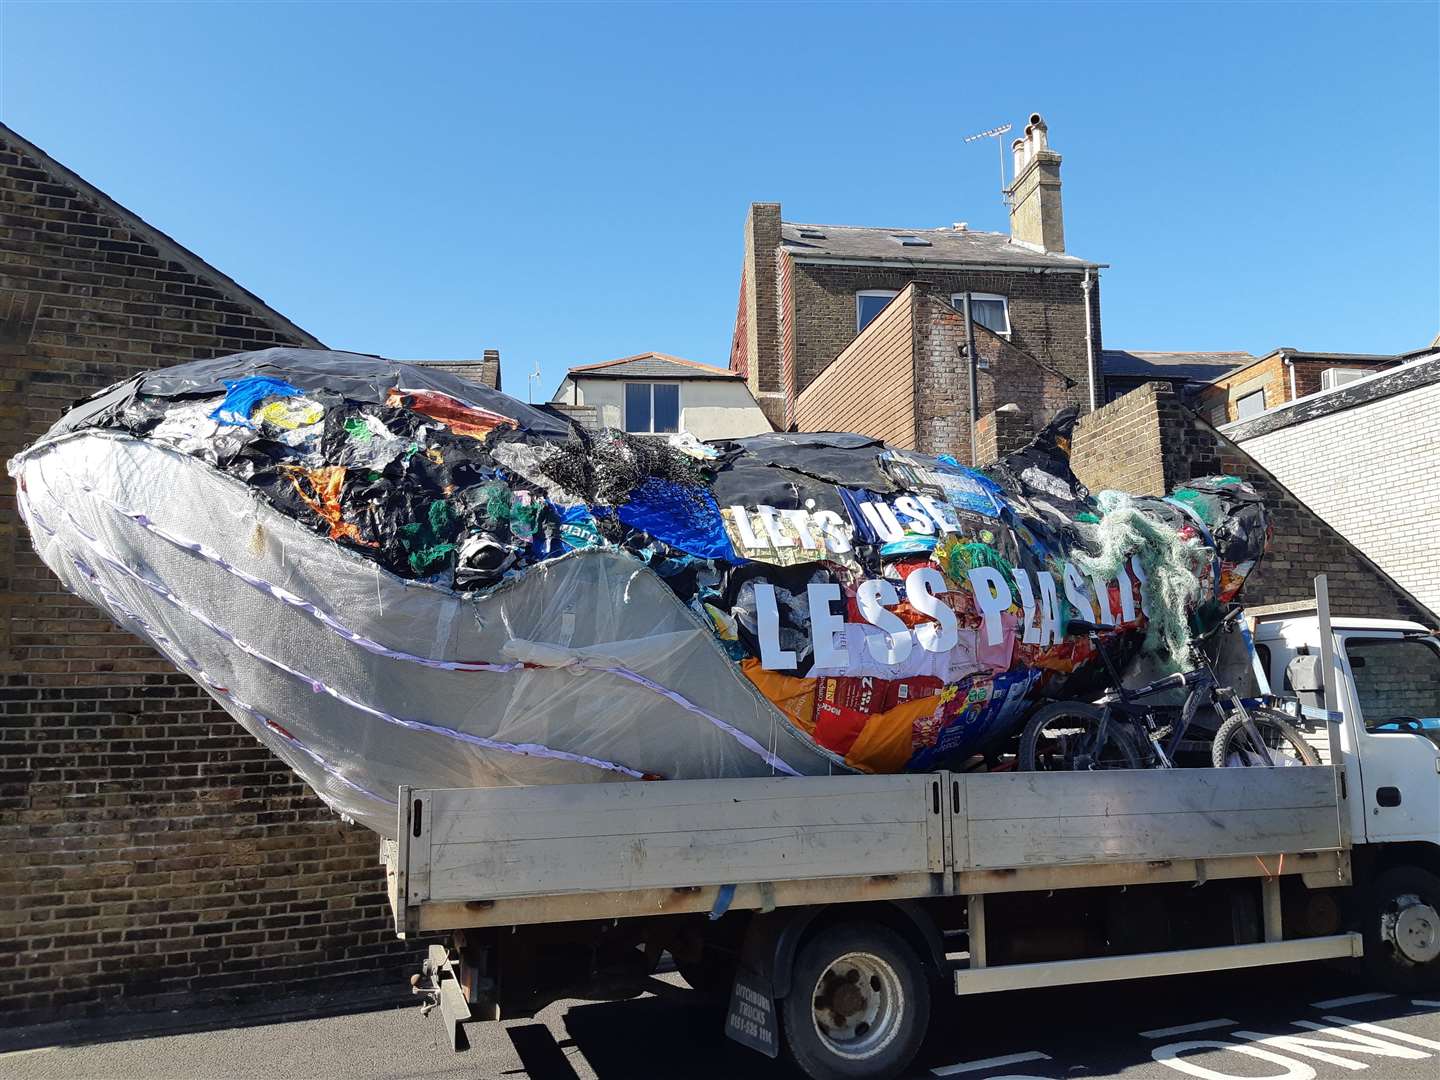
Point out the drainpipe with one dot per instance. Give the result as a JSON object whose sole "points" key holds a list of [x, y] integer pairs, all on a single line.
{"points": [[1291, 365], [1090, 342]]}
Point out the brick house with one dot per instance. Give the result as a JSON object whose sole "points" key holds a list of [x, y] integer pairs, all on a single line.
{"points": [[808, 293], [1279, 376], [155, 853]]}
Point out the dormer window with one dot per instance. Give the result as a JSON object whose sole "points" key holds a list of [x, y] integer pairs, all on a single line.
{"points": [[990, 310], [869, 303], [652, 408]]}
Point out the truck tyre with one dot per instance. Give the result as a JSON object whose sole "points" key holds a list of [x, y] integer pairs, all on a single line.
{"points": [[859, 1004], [1402, 930], [1277, 732]]}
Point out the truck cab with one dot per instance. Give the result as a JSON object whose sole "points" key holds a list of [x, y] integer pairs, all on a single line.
{"points": [[1387, 683]]}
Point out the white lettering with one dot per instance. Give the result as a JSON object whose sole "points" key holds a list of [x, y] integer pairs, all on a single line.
{"points": [[778, 539], [892, 646], [825, 624], [1050, 609], [837, 532], [800, 519], [1030, 625], [1140, 577], [992, 596], [1127, 597], [883, 520], [1102, 598], [742, 525], [767, 619], [1169, 1055], [922, 589], [1075, 593], [916, 513], [1356, 1042], [940, 513]]}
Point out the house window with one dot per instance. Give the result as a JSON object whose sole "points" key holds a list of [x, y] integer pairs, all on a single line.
{"points": [[652, 408], [990, 310], [1249, 406], [869, 303]]}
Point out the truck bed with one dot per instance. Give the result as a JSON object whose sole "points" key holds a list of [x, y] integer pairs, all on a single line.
{"points": [[511, 856]]}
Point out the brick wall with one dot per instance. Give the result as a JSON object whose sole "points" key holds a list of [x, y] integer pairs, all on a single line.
{"points": [[762, 239], [870, 388], [740, 340], [1007, 375], [155, 853], [1047, 311], [1001, 432], [1147, 442], [1373, 472]]}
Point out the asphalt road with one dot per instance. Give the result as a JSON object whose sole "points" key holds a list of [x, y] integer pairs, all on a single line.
{"points": [[1208, 1026]]}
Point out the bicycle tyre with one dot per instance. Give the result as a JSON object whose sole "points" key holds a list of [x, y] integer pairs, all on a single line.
{"points": [[1274, 728], [1119, 751]]}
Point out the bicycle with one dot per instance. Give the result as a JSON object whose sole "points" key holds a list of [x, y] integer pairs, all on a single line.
{"points": [[1120, 732]]}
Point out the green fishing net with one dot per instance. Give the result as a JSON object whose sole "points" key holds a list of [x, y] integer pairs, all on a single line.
{"points": [[1172, 566]]}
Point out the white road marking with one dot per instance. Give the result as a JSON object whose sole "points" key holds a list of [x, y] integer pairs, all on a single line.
{"points": [[1389, 1033], [988, 1063], [1185, 1029], [1354, 999]]}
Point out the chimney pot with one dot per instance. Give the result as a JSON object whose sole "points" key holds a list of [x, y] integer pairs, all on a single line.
{"points": [[961, 226], [1035, 215]]}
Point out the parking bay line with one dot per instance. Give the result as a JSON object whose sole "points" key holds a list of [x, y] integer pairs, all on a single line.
{"points": [[1354, 999], [988, 1063], [1185, 1029]]}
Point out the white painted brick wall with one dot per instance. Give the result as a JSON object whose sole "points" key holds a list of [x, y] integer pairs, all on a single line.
{"points": [[1372, 472]]}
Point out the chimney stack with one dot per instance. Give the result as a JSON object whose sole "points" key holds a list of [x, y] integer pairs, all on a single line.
{"points": [[490, 368], [1035, 215]]}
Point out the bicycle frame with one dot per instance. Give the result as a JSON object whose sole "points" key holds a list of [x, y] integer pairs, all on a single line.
{"points": [[1203, 687]]}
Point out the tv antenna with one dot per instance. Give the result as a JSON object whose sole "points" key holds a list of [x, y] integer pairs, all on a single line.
{"points": [[531, 381], [995, 133]]}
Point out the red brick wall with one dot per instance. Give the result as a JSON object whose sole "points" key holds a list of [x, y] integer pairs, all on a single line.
{"points": [[785, 321], [154, 853]]}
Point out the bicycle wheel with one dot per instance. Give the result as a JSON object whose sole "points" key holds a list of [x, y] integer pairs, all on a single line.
{"points": [[1061, 737], [1234, 745]]}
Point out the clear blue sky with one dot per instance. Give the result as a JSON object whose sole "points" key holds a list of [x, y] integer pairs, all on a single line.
{"points": [[568, 183]]}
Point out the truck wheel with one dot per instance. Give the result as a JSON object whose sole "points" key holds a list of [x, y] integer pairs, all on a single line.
{"points": [[859, 1004], [1402, 930]]}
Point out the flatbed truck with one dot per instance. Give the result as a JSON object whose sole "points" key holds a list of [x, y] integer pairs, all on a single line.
{"points": [[834, 909]]}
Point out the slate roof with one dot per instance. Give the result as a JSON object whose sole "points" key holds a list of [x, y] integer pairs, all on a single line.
{"points": [[944, 246], [1192, 366], [652, 365]]}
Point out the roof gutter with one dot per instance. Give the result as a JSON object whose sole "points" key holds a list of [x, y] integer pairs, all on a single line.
{"points": [[931, 264]]}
